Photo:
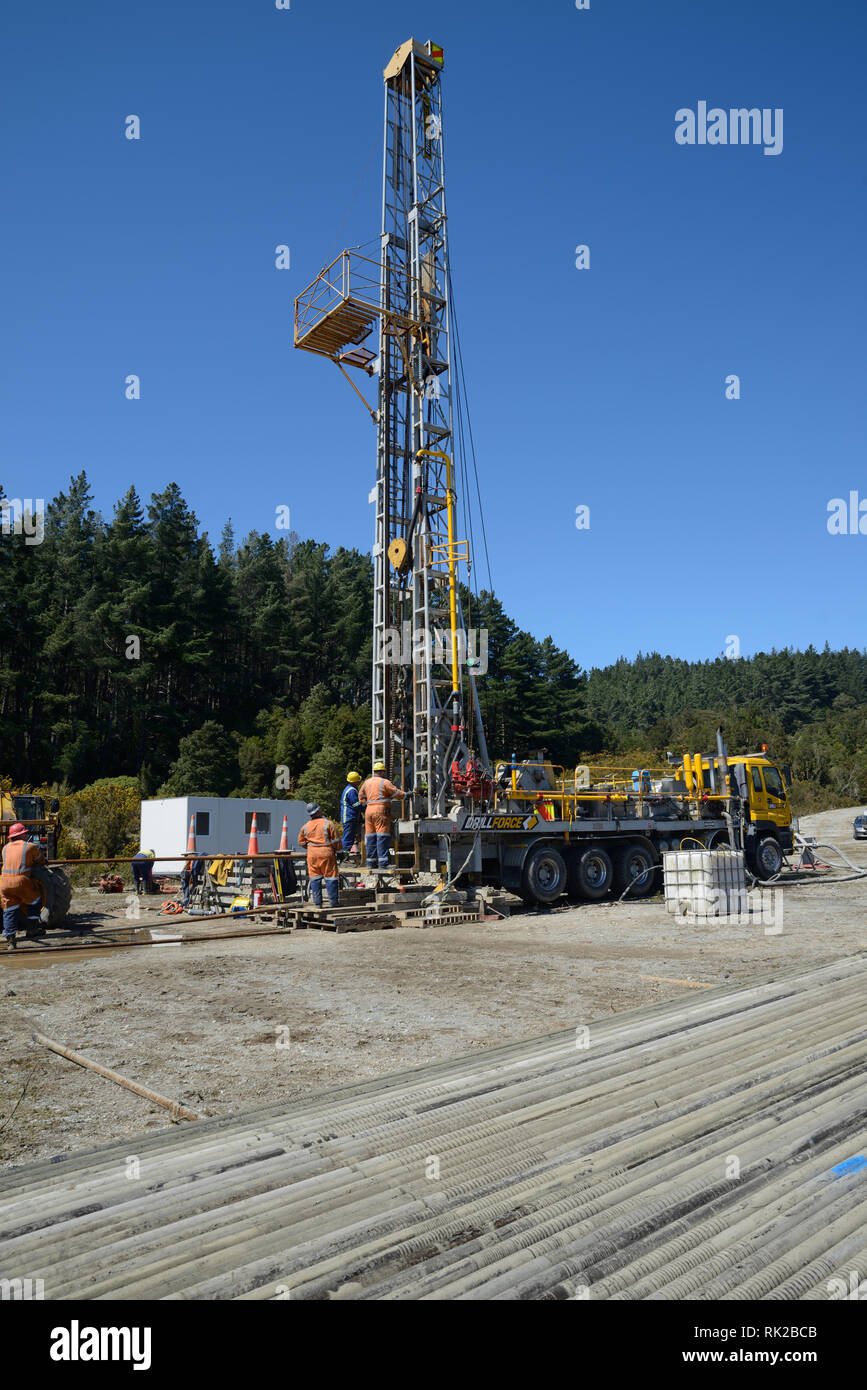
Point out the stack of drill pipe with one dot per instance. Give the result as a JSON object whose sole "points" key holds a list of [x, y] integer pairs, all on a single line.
{"points": [[713, 1147]]}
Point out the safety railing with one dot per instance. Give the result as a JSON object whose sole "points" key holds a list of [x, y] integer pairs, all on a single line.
{"points": [[356, 280], [565, 800]]}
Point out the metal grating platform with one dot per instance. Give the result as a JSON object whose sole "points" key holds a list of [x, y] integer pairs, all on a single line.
{"points": [[332, 335], [336, 314]]}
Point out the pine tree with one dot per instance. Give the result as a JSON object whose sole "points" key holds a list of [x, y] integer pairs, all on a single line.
{"points": [[206, 765]]}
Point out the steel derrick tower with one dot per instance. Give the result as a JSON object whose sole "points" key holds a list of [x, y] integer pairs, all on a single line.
{"points": [[419, 643]]}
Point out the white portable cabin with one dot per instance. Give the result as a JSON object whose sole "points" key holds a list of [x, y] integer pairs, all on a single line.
{"points": [[222, 825]]}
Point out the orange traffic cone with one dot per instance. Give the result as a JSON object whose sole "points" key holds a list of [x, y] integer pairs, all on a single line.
{"points": [[253, 846], [284, 838], [191, 838]]}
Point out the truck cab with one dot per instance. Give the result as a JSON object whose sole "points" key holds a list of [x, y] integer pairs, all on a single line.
{"points": [[768, 820], [43, 822]]}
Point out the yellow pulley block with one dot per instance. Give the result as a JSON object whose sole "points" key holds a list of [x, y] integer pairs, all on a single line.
{"points": [[397, 552]]}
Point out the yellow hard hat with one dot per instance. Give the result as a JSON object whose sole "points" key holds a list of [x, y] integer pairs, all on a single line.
{"points": [[379, 766], [353, 776]]}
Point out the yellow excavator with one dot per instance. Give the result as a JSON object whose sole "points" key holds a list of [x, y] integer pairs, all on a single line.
{"points": [[43, 826]]}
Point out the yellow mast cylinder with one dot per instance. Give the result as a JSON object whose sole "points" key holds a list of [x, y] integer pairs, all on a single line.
{"points": [[453, 584], [453, 600]]}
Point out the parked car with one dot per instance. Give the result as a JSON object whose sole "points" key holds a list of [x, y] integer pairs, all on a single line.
{"points": [[859, 828]]}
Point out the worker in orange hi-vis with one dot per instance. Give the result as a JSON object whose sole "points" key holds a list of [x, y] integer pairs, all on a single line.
{"points": [[375, 796], [320, 837], [19, 891]]}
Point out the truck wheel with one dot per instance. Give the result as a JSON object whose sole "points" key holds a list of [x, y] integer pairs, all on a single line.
{"points": [[591, 873], [766, 859], [635, 871], [543, 878], [58, 897], [719, 840]]}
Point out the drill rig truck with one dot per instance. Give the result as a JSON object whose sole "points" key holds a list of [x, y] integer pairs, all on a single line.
{"points": [[523, 824]]}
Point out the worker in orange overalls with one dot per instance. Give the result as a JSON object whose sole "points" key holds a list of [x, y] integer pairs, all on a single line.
{"points": [[376, 796], [320, 838], [19, 891]]}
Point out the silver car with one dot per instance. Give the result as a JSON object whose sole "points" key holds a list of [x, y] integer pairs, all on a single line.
{"points": [[859, 828]]}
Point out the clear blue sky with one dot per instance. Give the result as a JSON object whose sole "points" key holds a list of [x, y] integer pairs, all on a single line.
{"points": [[602, 387]]}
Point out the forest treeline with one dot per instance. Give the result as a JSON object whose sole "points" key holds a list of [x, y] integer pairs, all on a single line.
{"points": [[135, 647]]}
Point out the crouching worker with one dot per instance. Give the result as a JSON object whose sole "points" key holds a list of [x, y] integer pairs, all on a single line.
{"points": [[19, 891], [320, 838], [376, 796], [142, 871]]}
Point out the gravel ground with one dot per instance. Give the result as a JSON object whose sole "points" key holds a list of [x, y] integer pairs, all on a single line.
{"points": [[225, 1026]]}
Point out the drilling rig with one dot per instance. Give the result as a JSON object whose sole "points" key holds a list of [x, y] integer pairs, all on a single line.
{"points": [[423, 684], [525, 825]]}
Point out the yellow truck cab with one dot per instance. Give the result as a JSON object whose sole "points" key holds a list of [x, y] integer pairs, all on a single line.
{"points": [[768, 822], [42, 822]]}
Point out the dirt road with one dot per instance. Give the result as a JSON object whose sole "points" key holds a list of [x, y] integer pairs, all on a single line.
{"points": [[222, 1027]]}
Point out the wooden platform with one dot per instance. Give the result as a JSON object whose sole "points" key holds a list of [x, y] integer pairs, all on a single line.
{"points": [[379, 916]]}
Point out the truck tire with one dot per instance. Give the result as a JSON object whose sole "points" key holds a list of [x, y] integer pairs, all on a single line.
{"points": [[58, 896], [543, 877], [591, 873], [629, 861], [719, 840], [766, 859]]}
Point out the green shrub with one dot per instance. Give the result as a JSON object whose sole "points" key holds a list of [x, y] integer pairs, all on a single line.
{"points": [[101, 820]]}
